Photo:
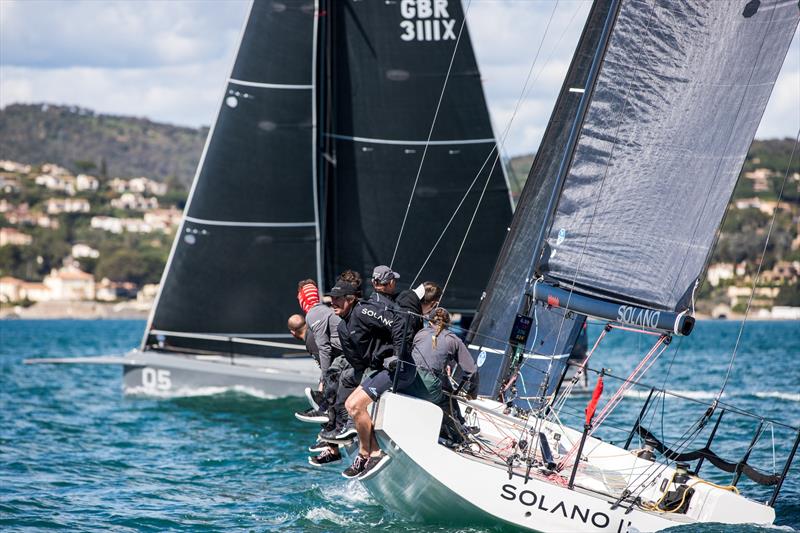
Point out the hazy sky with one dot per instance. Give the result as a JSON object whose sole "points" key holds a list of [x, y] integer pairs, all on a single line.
{"points": [[168, 60]]}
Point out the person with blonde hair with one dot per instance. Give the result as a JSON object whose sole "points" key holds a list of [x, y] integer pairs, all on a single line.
{"points": [[437, 353]]}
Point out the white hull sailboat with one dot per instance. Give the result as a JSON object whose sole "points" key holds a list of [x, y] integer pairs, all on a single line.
{"points": [[617, 222], [430, 482]]}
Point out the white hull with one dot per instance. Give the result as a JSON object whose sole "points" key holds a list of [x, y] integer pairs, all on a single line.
{"points": [[168, 374], [427, 481]]}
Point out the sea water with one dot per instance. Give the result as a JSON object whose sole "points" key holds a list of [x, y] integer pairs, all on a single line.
{"points": [[77, 454]]}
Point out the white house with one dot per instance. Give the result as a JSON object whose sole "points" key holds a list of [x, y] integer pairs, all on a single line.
{"points": [[56, 206], [70, 283], [84, 182], [11, 236], [81, 250]]}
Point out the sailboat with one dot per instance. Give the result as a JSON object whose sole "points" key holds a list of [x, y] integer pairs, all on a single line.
{"points": [[616, 224], [350, 134]]}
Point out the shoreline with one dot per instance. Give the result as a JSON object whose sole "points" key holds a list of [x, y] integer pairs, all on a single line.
{"points": [[78, 310]]}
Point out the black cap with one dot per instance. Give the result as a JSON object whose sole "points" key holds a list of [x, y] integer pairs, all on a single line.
{"points": [[342, 289]]}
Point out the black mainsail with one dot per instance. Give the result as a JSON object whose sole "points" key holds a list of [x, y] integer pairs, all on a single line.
{"points": [[296, 180], [620, 214]]}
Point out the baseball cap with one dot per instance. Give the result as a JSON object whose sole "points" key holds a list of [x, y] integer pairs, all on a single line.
{"points": [[383, 274], [342, 289]]}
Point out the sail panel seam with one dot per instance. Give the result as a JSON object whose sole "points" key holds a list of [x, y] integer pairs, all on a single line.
{"points": [[261, 85], [235, 223], [407, 142]]}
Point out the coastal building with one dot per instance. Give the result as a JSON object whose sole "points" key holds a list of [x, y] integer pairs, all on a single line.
{"points": [[143, 185], [57, 182], [134, 201], [80, 250], [139, 185], [118, 225], [11, 236], [762, 297], [55, 170], [720, 271], [84, 182], [784, 312], [9, 184], [16, 290], [765, 206], [163, 219], [13, 166], [783, 273], [760, 178], [57, 206], [70, 283], [111, 291], [147, 294]]}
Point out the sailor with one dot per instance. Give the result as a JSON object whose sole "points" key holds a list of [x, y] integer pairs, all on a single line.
{"points": [[341, 377], [437, 353], [372, 332], [323, 323], [417, 302]]}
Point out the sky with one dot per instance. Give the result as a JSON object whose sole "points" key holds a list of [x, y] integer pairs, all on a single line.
{"points": [[168, 60]]}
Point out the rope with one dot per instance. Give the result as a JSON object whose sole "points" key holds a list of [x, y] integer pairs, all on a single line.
{"points": [[430, 134]]}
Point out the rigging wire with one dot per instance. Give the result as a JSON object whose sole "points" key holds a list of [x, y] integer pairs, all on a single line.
{"points": [[758, 271], [430, 132], [500, 146]]}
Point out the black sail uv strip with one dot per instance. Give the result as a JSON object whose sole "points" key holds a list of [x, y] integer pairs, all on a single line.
{"points": [[249, 231], [391, 60], [679, 97]]}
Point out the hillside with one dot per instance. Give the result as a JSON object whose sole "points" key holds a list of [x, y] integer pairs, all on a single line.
{"points": [[105, 145]]}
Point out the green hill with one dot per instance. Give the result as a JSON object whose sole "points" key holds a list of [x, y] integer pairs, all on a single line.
{"points": [[82, 140]]}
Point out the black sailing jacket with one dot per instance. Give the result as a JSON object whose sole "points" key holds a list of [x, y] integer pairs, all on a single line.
{"points": [[373, 332]]}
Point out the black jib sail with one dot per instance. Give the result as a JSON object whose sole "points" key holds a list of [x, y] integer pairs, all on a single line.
{"points": [[630, 201], [265, 210], [393, 77]]}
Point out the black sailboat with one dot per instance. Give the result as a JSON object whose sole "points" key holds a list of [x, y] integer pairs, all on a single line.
{"points": [[616, 223], [337, 118]]}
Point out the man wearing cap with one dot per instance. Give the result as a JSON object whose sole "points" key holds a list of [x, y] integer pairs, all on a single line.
{"points": [[371, 331]]}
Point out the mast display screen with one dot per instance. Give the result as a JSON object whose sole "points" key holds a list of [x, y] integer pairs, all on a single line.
{"points": [[521, 329]]}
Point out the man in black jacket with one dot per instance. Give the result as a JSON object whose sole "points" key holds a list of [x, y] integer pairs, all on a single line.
{"points": [[371, 331]]}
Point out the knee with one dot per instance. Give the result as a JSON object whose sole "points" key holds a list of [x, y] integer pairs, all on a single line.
{"points": [[351, 404]]}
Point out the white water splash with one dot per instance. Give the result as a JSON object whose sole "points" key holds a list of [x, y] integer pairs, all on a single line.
{"points": [[321, 514], [192, 392], [352, 492], [789, 396]]}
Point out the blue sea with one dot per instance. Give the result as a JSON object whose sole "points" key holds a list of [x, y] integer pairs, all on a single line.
{"points": [[77, 454]]}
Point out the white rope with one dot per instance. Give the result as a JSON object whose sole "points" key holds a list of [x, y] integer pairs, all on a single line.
{"points": [[430, 134]]}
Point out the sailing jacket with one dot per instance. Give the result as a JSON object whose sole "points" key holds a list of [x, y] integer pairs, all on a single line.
{"points": [[449, 350], [372, 333], [323, 323]]}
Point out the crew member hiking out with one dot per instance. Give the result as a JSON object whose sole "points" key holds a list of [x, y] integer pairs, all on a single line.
{"points": [[373, 335], [322, 328]]}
